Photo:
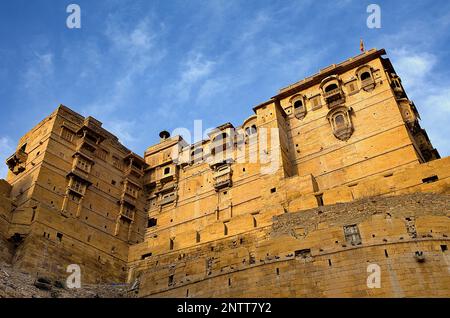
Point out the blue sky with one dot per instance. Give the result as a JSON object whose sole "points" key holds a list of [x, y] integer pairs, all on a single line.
{"points": [[144, 66]]}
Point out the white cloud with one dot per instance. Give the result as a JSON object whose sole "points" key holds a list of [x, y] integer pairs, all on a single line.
{"points": [[414, 68], [39, 70], [123, 130], [430, 93], [138, 47], [135, 50], [439, 100], [194, 69], [211, 88], [255, 26]]}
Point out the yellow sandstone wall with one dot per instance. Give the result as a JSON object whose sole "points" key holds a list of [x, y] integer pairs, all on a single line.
{"points": [[60, 224], [305, 254]]}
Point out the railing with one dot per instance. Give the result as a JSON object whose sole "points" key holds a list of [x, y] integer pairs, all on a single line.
{"points": [[333, 92], [222, 179], [90, 145], [78, 190], [126, 213], [367, 82], [134, 170], [168, 199], [129, 198]]}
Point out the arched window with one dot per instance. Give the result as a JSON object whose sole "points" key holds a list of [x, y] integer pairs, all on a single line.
{"points": [[365, 75], [219, 143], [339, 121], [298, 104], [250, 130], [331, 87], [166, 170], [196, 155]]}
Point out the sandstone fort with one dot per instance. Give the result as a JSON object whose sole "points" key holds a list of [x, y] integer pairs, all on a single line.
{"points": [[331, 176]]}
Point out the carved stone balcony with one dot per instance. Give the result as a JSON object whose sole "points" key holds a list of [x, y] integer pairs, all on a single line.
{"points": [[128, 198], [126, 213], [334, 93], [80, 191], [168, 198], [80, 174], [16, 162], [165, 177], [222, 178], [334, 97], [133, 170], [399, 92], [367, 84], [81, 167], [86, 147]]}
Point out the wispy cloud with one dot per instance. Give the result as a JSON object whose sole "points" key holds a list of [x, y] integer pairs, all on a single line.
{"points": [[194, 69], [134, 50], [414, 67], [6, 149], [40, 70], [430, 93]]}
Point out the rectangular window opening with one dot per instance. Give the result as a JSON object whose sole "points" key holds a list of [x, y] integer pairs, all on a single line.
{"points": [[147, 255], [152, 222], [352, 235], [305, 253], [430, 179]]}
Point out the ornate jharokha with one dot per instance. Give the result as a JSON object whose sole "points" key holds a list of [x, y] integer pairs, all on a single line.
{"points": [[341, 122]]}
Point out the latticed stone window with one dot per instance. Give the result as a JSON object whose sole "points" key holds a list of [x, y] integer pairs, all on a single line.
{"points": [[83, 164], [67, 134], [101, 153], [131, 190], [117, 163], [77, 186], [352, 235]]}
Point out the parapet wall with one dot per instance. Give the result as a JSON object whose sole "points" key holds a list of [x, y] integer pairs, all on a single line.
{"points": [[306, 254]]}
